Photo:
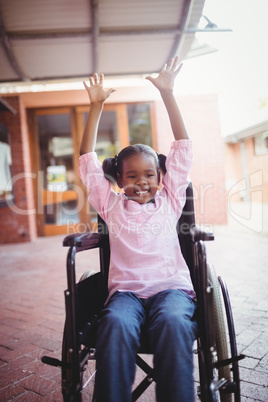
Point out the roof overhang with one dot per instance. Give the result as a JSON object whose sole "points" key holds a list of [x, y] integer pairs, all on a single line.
{"points": [[249, 132], [58, 39]]}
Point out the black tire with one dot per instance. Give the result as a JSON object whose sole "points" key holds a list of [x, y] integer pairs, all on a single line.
{"points": [[87, 274], [89, 369], [232, 338], [67, 374], [79, 381], [87, 377], [217, 311]]}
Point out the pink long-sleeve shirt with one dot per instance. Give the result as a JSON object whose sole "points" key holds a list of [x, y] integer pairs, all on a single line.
{"points": [[145, 253]]}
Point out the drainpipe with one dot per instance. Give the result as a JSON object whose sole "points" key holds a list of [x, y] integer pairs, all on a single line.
{"points": [[246, 196]]}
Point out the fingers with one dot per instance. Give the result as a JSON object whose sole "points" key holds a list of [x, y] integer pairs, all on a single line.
{"points": [[173, 65], [96, 84], [85, 85], [110, 91], [149, 78], [164, 67], [101, 78], [179, 68], [95, 80], [91, 81], [170, 64]]}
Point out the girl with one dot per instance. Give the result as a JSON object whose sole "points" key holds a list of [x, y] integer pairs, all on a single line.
{"points": [[149, 282]]}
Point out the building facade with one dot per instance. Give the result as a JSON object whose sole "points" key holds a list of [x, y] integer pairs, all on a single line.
{"points": [[246, 171], [47, 197]]}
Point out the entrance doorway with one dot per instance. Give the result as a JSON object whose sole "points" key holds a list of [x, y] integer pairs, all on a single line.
{"points": [[56, 133], [57, 192]]}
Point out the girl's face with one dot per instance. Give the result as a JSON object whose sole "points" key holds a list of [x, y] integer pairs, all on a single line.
{"points": [[140, 178]]}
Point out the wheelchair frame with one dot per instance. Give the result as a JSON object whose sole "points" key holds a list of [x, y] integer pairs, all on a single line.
{"points": [[218, 365]]}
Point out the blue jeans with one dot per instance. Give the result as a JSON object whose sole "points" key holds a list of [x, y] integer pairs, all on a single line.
{"points": [[168, 318]]}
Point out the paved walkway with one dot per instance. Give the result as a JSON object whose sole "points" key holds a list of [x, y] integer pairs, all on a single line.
{"points": [[32, 312]]}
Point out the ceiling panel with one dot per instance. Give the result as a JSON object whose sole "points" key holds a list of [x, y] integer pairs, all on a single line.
{"points": [[140, 13], [39, 15], [49, 58], [134, 55]]}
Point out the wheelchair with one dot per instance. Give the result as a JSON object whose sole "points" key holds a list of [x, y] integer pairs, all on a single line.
{"points": [[216, 343]]}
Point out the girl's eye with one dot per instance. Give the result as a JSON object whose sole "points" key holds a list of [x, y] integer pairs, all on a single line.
{"points": [[149, 175]]}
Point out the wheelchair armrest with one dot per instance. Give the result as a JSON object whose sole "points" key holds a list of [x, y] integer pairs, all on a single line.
{"points": [[84, 240], [197, 234]]}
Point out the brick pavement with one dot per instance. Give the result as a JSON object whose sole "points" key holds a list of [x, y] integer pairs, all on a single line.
{"points": [[32, 312]]}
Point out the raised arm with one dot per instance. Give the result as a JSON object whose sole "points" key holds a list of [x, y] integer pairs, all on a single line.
{"points": [[97, 96], [165, 84]]}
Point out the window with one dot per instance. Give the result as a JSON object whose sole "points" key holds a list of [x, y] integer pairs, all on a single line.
{"points": [[6, 188], [56, 158], [139, 123], [261, 144]]}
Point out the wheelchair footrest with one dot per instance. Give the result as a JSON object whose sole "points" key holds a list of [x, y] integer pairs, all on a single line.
{"points": [[51, 361]]}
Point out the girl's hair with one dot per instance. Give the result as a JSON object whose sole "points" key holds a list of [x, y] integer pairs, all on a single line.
{"points": [[114, 166]]}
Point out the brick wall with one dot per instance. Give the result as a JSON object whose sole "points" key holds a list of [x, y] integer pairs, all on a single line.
{"points": [[18, 219]]}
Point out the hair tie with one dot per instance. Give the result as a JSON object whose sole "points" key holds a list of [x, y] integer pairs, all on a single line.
{"points": [[115, 160]]}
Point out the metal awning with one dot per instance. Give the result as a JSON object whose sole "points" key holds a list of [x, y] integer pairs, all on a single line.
{"points": [[67, 39]]}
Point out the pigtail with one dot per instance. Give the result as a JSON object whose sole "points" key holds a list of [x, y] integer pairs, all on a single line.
{"points": [[109, 167], [162, 163]]}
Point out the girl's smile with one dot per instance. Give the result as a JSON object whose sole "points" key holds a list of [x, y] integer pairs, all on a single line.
{"points": [[140, 178]]}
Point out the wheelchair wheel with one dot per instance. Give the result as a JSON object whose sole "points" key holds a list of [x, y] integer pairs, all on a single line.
{"points": [[217, 312], [68, 374], [71, 390], [232, 337], [87, 274], [78, 369]]}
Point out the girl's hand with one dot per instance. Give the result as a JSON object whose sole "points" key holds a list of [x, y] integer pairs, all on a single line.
{"points": [[96, 92], [166, 78]]}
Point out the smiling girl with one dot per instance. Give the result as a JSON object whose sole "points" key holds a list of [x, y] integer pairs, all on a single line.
{"points": [[149, 282]]}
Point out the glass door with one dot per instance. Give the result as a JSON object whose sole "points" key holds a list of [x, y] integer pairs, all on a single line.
{"points": [[56, 134], [57, 178], [112, 135]]}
